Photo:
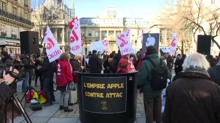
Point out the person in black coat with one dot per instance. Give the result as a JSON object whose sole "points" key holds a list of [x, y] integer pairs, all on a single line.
{"points": [[48, 70], [214, 71], [116, 59], [179, 63], [95, 63]]}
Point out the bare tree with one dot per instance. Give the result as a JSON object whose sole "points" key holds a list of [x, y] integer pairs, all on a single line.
{"points": [[192, 16], [43, 16]]}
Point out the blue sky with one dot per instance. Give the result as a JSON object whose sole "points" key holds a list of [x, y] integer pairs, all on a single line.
{"points": [[128, 8]]}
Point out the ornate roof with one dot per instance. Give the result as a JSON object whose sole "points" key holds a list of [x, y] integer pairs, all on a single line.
{"points": [[111, 12]]}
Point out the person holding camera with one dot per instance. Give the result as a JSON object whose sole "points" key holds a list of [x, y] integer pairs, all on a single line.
{"points": [[5, 90]]}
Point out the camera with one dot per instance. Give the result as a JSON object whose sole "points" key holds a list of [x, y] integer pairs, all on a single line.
{"points": [[6, 68]]}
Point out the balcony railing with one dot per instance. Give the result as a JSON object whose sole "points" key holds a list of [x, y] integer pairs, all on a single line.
{"points": [[15, 17]]}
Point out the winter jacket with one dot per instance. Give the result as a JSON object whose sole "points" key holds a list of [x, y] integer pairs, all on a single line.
{"points": [[192, 98], [48, 69], [214, 73], [76, 65], [95, 64], [125, 65], [64, 73], [145, 75]]}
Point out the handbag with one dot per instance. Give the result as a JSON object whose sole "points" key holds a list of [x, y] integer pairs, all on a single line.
{"points": [[71, 87]]}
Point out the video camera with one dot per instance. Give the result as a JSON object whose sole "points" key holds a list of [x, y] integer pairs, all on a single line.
{"points": [[19, 76]]}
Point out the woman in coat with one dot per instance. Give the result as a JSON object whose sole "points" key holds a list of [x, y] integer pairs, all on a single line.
{"points": [[64, 77], [193, 97]]}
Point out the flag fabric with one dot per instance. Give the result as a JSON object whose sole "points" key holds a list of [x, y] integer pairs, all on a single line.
{"points": [[100, 45], [52, 48], [123, 41], [75, 36], [173, 45]]}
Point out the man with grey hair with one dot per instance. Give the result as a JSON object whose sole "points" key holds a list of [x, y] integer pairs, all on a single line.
{"points": [[193, 97]]}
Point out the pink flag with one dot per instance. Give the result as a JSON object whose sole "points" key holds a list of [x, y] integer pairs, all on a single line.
{"points": [[75, 37]]}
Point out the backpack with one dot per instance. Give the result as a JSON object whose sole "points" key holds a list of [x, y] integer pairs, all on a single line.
{"points": [[159, 76]]}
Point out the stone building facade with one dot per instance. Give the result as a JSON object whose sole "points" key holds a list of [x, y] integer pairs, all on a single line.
{"points": [[14, 18], [56, 15], [108, 25]]}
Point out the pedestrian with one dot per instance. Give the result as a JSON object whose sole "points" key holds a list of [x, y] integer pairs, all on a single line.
{"points": [[193, 97]]}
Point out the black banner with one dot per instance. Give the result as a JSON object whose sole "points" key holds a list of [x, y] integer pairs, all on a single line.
{"points": [[104, 95], [150, 39]]}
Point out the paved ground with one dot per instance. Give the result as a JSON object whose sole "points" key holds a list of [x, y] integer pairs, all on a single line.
{"points": [[53, 115]]}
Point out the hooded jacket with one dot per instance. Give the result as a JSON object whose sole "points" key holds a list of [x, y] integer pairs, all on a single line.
{"points": [[145, 75]]}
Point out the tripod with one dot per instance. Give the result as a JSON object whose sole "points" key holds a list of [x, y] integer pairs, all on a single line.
{"points": [[15, 102], [29, 89], [29, 67]]}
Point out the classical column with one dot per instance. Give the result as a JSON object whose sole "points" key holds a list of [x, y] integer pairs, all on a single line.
{"points": [[63, 39], [107, 33], [100, 34]]}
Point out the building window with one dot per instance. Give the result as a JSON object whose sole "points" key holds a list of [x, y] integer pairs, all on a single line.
{"points": [[14, 11], [90, 33], [97, 34], [25, 16], [26, 3], [3, 6]]}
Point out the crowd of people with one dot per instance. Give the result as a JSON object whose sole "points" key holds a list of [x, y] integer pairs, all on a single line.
{"points": [[192, 95]]}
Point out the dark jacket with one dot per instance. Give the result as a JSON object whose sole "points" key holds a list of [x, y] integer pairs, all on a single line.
{"points": [[170, 62], [5, 91], [145, 74], [214, 73], [192, 98], [178, 65], [7, 60], [95, 64], [48, 68], [76, 66], [37, 63], [114, 64]]}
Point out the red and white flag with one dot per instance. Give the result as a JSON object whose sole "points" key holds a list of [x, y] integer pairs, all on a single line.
{"points": [[173, 44], [52, 47], [123, 41], [75, 36]]}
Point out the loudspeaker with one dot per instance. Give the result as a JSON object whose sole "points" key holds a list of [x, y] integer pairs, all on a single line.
{"points": [[29, 42], [204, 44]]}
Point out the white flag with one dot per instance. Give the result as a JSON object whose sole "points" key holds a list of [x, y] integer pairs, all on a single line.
{"points": [[52, 47], [123, 41], [100, 45], [173, 44], [75, 37]]}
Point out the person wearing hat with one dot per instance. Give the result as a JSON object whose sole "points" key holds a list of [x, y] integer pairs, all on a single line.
{"points": [[164, 51], [95, 63], [167, 58]]}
